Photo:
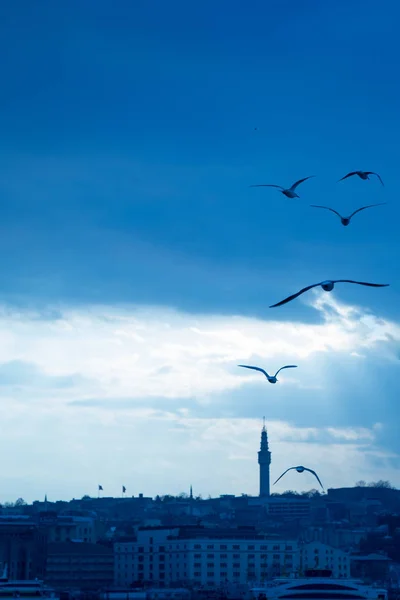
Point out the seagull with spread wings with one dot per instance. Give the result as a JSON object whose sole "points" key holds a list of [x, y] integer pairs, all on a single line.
{"points": [[288, 192], [346, 220], [362, 175], [301, 469], [327, 286], [271, 378]]}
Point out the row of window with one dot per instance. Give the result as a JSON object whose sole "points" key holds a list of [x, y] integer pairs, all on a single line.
{"points": [[250, 557], [141, 549]]}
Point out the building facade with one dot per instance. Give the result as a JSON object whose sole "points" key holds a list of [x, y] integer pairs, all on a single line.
{"points": [[264, 460], [322, 556], [168, 557], [79, 566]]}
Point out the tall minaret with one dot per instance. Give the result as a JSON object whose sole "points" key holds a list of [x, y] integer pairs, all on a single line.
{"points": [[264, 460]]}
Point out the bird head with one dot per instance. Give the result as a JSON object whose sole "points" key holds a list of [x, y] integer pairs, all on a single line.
{"points": [[272, 379], [345, 221], [300, 469]]}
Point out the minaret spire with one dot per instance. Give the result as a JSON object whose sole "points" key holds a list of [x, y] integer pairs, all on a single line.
{"points": [[264, 460]]}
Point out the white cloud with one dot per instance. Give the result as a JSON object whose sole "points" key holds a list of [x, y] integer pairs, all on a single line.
{"points": [[156, 352], [155, 365]]}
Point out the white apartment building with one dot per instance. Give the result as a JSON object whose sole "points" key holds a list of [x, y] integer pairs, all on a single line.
{"points": [[322, 556], [160, 556]]}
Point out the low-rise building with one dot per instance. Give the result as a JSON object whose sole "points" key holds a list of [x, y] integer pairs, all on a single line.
{"points": [[79, 566], [318, 555], [166, 556]]}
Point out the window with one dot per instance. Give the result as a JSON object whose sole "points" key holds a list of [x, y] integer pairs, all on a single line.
{"points": [[210, 555], [275, 548], [236, 556], [289, 547], [250, 547], [162, 567], [162, 575], [223, 565], [141, 558], [140, 549], [141, 567], [264, 547], [210, 565], [236, 547], [236, 565], [223, 547], [224, 574], [224, 556], [276, 557], [264, 556], [197, 574], [236, 573], [197, 546], [210, 574], [162, 548], [197, 565], [210, 546], [161, 558], [249, 556], [197, 555]]}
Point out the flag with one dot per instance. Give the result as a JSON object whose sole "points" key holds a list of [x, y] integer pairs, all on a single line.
{"points": [[100, 487], [123, 489]]}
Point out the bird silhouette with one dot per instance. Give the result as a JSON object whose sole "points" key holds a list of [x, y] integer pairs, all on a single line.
{"points": [[271, 378], [289, 192], [327, 286], [363, 175], [301, 469], [346, 220]]}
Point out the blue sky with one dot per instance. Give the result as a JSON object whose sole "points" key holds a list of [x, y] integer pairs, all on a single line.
{"points": [[130, 135]]}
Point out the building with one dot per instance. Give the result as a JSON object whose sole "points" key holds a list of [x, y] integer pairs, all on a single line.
{"points": [[318, 555], [79, 566], [264, 460], [288, 508], [65, 528], [23, 548], [200, 556], [370, 567]]}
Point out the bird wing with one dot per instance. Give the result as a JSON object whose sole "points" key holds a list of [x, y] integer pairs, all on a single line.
{"points": [[315, 475], [255, 369], [327, 208], [364, 207], [268, 185], [287, 367], [377, 175], [348, 175], [280, 477], [294, 186], [361, 283], [295, 295]]}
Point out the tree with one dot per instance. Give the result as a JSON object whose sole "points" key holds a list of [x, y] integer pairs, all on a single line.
{"points": [[381, 484], [20, 502], [360, 483]]}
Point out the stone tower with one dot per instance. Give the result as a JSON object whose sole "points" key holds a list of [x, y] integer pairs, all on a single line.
{"points": [[264, 460]]}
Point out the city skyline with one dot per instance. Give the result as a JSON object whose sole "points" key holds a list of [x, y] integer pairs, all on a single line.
{"points": [[139, 264]]}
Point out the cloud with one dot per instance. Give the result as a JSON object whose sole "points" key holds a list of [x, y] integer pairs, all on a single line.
{"points": [[153, 352], [21, 374], [102, 381]]}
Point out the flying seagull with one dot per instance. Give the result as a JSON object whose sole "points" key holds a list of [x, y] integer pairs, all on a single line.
{"points": [[301, 469], [289, 192], [327, 286], [346, 220], [271, 378], [363, 175]]}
